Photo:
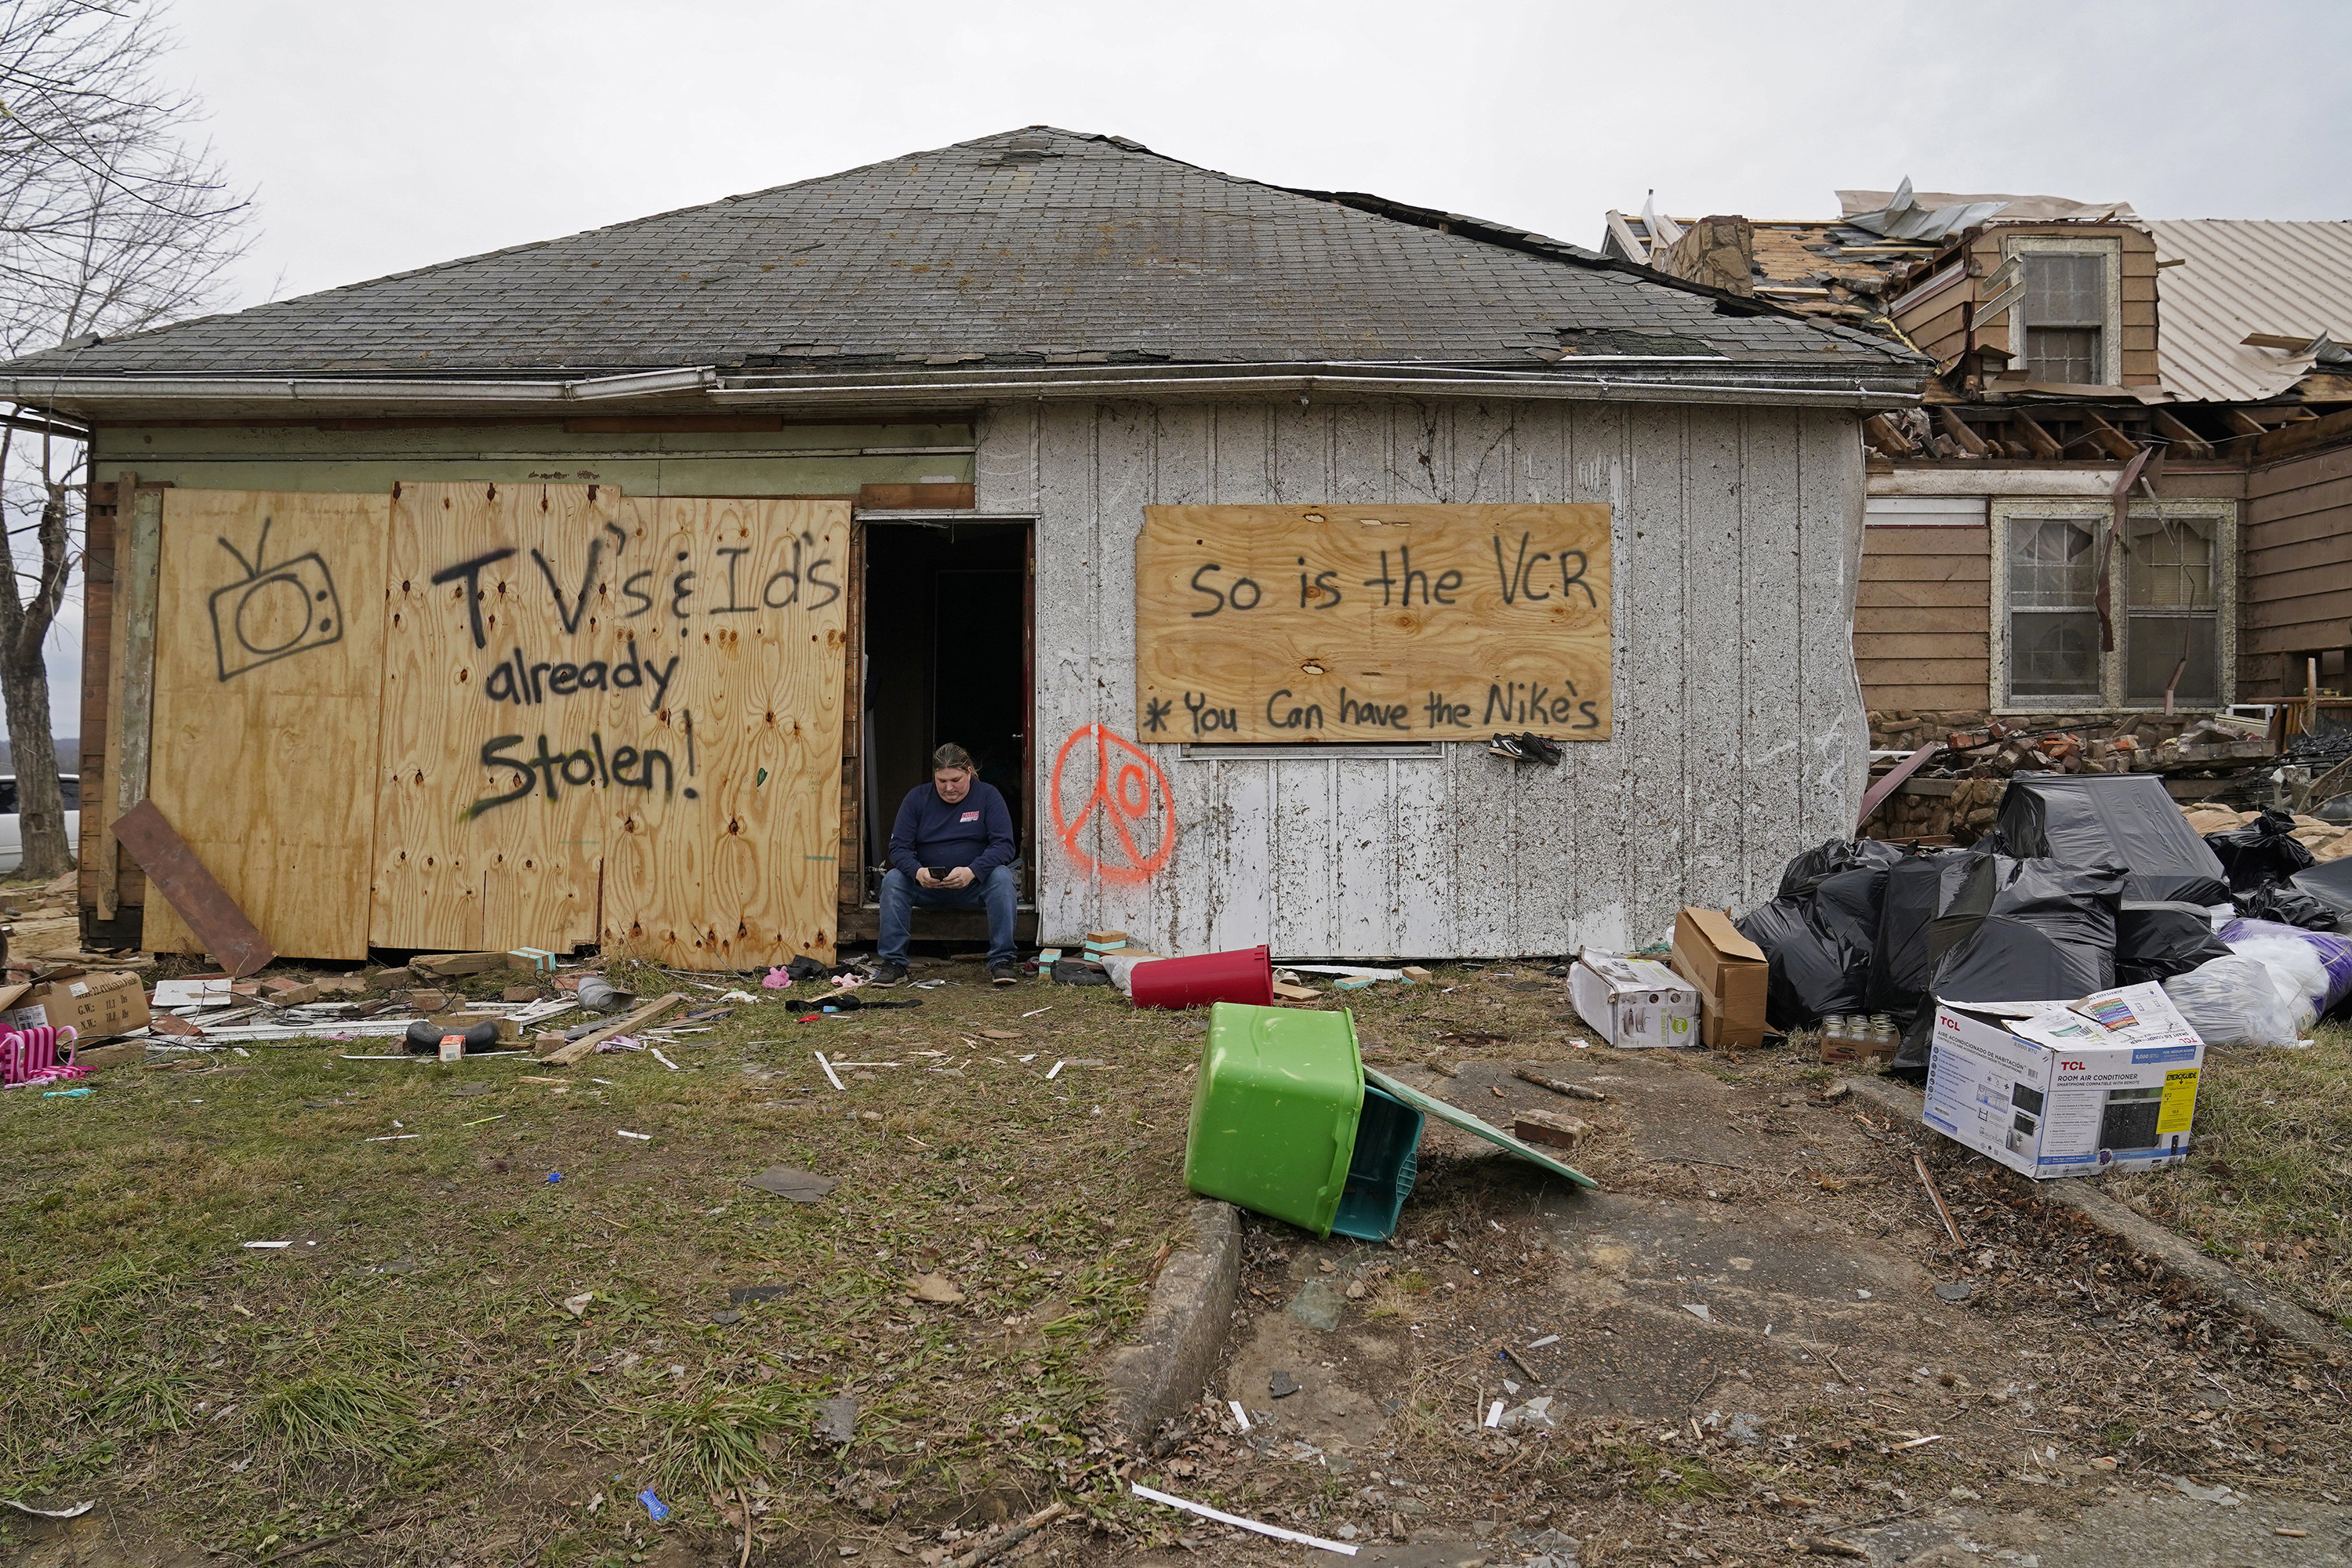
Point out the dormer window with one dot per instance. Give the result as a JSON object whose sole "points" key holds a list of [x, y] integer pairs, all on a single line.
{"points": [[2066, 328], [2065, 311]]}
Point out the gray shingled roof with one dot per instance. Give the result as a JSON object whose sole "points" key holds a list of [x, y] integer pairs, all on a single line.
{"points": [[1033, 247]]}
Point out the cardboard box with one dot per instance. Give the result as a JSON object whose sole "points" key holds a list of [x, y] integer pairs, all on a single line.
{"points": [[1729, 974], [2054, 1088], [92, 1005], [1633, 1001]]}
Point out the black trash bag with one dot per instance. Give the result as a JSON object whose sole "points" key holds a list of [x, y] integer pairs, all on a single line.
{"points": [[2112, 819], [2289, 905], [1811, 970], [1802, 875], [2019, 931], [2330, 881], [2157, 940], [1916, 889], [2260, 852], [1817, 936]]}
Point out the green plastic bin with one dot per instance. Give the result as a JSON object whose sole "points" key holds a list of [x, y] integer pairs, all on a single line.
{"points": [[1283, 1123]]}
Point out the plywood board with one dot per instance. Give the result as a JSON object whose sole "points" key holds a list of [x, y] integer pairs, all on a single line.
{"points": [[268, 654], [1369, 623], [503, 599], [733, 860]]}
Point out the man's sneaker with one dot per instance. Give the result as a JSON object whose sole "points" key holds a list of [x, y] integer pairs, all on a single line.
{"points": [[1507, 746], [1004, 973], [1540, 748], [888, 973]]}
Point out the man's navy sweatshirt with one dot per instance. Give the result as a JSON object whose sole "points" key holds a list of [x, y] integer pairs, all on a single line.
{"points": [[976, 831]]}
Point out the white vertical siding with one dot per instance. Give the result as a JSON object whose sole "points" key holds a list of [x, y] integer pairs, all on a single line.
{"points": [[1739, 731]]}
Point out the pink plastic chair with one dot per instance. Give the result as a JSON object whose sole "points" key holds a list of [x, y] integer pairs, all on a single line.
{"points": [[30, 1055]]}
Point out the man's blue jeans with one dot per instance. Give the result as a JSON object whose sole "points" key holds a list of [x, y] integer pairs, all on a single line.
{"points": [[999, 892]]}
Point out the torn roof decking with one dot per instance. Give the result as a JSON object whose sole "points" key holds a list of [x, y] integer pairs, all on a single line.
{"points": [[1033, 248]]}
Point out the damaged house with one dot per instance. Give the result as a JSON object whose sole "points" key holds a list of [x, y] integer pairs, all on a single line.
{"points": [[614, 590], [2126, 497]]}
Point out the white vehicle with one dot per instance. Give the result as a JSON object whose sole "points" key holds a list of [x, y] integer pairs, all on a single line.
{"points": [[11, 838]]}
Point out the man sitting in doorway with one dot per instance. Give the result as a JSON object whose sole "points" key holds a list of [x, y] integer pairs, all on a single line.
{"points": [[951, 849]]}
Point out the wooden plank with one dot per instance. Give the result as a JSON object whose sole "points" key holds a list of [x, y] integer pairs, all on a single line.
{"points": [[1938, 568], [503, 599], [1878, 595], [1964, 670], [1961, 695], [131, 704], [268, 673], [2321, 495], [97, 856], [1923, 645], [729, 861], [2297, 473], [174, 871], [565, 1055], [914, 497], [2330, 555], [1920, 620], [1403, 620], [1966, 541]]}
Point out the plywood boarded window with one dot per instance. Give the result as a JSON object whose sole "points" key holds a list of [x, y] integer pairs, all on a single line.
{"points": [[472, 717], [2053, 627]]}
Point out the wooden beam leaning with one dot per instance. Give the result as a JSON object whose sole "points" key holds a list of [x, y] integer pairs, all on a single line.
{"points": [[2191, 444], [173, 870], [2107, 439], [131, 716]]}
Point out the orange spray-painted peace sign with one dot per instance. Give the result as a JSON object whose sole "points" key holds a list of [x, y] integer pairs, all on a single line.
{"points": [[1128, 786]]}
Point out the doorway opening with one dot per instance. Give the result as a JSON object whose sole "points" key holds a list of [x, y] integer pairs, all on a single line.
{"points": [[946, 655]]}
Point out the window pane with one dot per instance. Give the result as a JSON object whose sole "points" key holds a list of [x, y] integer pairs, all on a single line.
{"points": [[2050, 563], [2066, 290], [2157, 643], [2054, 654], [2171, 569], [2069, 354], [70, 784]]}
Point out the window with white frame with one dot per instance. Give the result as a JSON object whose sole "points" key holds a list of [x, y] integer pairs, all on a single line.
{"points": [[2067, 324], [2065, 311], [2168, 594]]}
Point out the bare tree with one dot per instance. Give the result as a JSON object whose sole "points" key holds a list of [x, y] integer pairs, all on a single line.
{"points": [[111, 222]]}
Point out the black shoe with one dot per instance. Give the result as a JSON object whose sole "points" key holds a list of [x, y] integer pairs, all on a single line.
{"points": [[1507, 746], [1542, 749], [1004, 973], [888, 973]]}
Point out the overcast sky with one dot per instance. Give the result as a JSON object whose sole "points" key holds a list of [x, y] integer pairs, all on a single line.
{"points": [[383, 137]]}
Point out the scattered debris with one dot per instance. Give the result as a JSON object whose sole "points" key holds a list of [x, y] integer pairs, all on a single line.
{"points": [[936, 1288], [578, 1305], [1558, 1086], [831, 1077], [1282, 1385], [1238, 1522], [836, 1419], [654, 1507], [801, 1186], [1545, 1127]]}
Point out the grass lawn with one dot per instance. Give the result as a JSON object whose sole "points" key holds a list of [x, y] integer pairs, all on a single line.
{"points": [[2270, 1184], [408, 1369]]}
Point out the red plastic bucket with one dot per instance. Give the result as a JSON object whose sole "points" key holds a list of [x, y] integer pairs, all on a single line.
{"points": [[1245, 975]]}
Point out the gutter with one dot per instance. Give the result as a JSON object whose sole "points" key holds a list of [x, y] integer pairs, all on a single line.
{"points": [[1633, 378]]}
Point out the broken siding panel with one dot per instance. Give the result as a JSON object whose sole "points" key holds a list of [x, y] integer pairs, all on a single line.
{"points": [[1712, 701], [1542, 471], [1503, 849], [2297, 546], [1601, 808], [1770, 609], [1658, 650], [1832, 730]]}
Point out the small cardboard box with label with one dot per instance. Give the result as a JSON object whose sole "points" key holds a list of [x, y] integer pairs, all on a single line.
{"points": [[1729, 974], [1633, 1001], [2067, 1088], [92, 1005]]}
